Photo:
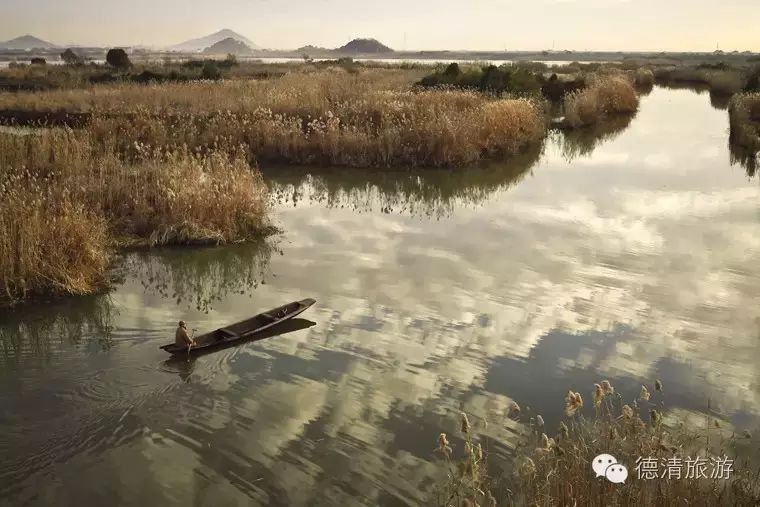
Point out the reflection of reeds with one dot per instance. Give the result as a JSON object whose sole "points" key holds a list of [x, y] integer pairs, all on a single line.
{"points": [[35, 329], [201, 277], [581, 142], [421, 192], [558, 470]]}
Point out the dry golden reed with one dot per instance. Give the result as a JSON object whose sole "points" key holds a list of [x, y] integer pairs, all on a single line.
{"points": [[64, 203], [370, 118], [556, 470], [744, 118], [605, 95]]}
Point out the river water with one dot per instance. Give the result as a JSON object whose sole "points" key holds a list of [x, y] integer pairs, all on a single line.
{"points": [[628, 253]]}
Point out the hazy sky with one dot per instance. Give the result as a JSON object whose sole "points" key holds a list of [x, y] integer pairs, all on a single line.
{"points": [[401, 24]]}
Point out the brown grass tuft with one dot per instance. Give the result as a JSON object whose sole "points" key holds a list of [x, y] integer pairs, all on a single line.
{"points": [[744, 117], [605, 95]]}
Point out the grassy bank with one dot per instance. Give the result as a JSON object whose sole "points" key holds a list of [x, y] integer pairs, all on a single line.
{"points": [[66, 203], [604, 96], [557, 469], [719, 80], [744, 117]]}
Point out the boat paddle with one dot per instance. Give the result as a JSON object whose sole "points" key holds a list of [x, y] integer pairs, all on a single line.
{"points": [[190, 345]]}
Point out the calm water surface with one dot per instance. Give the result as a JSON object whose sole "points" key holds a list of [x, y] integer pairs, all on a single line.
{"points": [[629, 253]]}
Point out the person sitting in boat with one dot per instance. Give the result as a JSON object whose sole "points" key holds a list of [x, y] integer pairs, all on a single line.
{"points": [[181, 338]]}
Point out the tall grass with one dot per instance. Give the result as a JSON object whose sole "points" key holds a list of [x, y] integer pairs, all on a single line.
{"points": [[644, 78], [364, 119], [726, 82], [605, 95], [557, 469], [65, 203], [744, 118], [48, 244], [428, 129]]}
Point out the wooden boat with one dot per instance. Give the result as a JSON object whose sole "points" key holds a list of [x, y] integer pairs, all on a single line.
{"points": [[244, 329]]}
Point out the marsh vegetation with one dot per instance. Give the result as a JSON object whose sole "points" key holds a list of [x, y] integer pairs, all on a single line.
{"points": [[557, 470], [163, 154], [66, 203]]}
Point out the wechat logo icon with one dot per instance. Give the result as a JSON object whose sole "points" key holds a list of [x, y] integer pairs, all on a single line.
{"points": [[606, 465]]}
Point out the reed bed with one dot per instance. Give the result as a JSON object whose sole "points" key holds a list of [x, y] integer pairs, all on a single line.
{"points": [[429, 129], [725, 82], [65, 203], [48, 244], [605, 95], [644, 78], [744, 118], [369, 118], [557, 470], [297, 92]]}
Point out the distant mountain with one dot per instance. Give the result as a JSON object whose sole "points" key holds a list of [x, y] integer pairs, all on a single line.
{"points": [[364, 46], [26, 42], [229, 46], [208, 41], [306, 49]]}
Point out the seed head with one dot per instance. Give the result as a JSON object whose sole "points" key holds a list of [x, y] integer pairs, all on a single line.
{"points": [[658, 385], [563, 430], [539, 421], [465, 424], [607, 387], [644, 394], [598, 395], [573, 401], [627, 412]]}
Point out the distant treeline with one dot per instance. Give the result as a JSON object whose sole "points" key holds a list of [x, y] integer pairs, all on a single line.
{"points": [[517, 79]]}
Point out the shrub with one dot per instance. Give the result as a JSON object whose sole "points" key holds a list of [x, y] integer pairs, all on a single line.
{"points": [[69, 57], [452, 70], [118, 59], [230, 61], [38, 61], [753, 80], [516, 79], [211, 71]]}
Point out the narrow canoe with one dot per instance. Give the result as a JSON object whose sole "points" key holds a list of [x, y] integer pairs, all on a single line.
{"points": [[244, 329]]}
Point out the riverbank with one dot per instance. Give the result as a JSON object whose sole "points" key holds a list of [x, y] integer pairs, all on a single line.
{"points": [[744, 116]]}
